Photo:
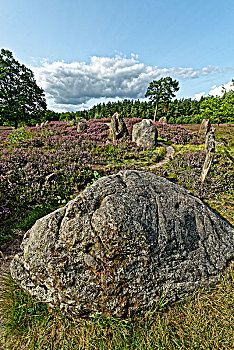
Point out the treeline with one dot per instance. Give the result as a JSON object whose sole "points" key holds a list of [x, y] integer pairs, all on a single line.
{"points": [[132, 109], [182, 111]]}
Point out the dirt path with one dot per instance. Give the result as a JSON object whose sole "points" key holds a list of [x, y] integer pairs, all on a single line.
{"points": [[170, 152]]}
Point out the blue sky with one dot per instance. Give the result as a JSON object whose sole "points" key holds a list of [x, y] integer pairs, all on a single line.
{"points": [[83, 52]]}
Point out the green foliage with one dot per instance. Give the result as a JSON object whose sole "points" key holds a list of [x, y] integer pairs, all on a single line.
{"points": [[219, 109], [21, 100], [162, 90], [20, 135]]}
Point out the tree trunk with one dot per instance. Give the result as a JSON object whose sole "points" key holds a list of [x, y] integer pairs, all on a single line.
{"points": [[155, 114]]}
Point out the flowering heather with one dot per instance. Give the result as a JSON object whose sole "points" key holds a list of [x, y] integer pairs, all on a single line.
{"points": [[49, 165], [177, 134], [185, 169]]}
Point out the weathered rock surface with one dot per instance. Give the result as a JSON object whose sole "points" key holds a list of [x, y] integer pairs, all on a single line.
{"points": [[145, 133], [118, 128], [209, 151], [205, 127], [122, 242], [210, 141]]}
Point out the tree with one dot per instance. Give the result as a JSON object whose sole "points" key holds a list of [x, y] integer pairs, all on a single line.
{"points": [[21, 99], [162, 90]]}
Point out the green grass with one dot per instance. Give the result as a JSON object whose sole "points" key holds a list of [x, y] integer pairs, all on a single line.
{"points": [[202, 321], [9, 231]]}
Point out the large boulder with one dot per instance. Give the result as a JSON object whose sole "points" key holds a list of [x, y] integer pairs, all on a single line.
{"points": [[122, 242], [145, 134], [118, 128]]}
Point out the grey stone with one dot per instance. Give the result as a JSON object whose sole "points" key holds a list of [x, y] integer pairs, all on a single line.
{"points": [[122, 242], [118, 128], [81, 126], [205, 127], [209, 151], [145, 133], [210, 141]]}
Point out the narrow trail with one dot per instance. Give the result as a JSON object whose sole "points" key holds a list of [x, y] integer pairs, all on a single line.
{"points": [[169, 153]]}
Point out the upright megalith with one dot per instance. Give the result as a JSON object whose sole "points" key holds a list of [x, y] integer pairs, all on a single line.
{"points": [[210, 141], [120, 244], [145, 133], [204, 127], [209, 151], [118, 128]]}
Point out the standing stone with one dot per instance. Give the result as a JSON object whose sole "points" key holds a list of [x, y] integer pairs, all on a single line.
{"points": [[145, 133], [209, 151], [210, 141], [205, 127], [81, 126], [163, 120], [122, 242], [118, 128]]}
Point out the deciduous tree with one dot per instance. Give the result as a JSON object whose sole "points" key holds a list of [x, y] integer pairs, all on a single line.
{"points": [[21, 99]]}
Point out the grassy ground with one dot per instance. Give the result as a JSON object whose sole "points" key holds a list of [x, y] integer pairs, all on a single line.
{"points": [[203, 321]]}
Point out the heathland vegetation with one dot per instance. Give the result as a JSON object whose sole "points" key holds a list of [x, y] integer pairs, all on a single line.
{"points": [[42, 168]]}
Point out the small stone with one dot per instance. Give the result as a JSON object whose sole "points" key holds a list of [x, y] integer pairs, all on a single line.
{"points": [[163, 120], [81, 126]]}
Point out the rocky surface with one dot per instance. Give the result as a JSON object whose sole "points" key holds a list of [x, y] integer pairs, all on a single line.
{"points": [[118, 128], [145, 133], [205, 127], [210, 141], [121, 243]]}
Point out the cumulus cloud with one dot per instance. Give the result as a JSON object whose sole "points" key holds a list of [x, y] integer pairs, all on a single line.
{"points": [[218, 90], [199, 95], [75, 84]]}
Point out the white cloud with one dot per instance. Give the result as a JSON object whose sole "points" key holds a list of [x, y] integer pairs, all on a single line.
{"points": [[72, 85], [218, 90], [199, 95]]}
